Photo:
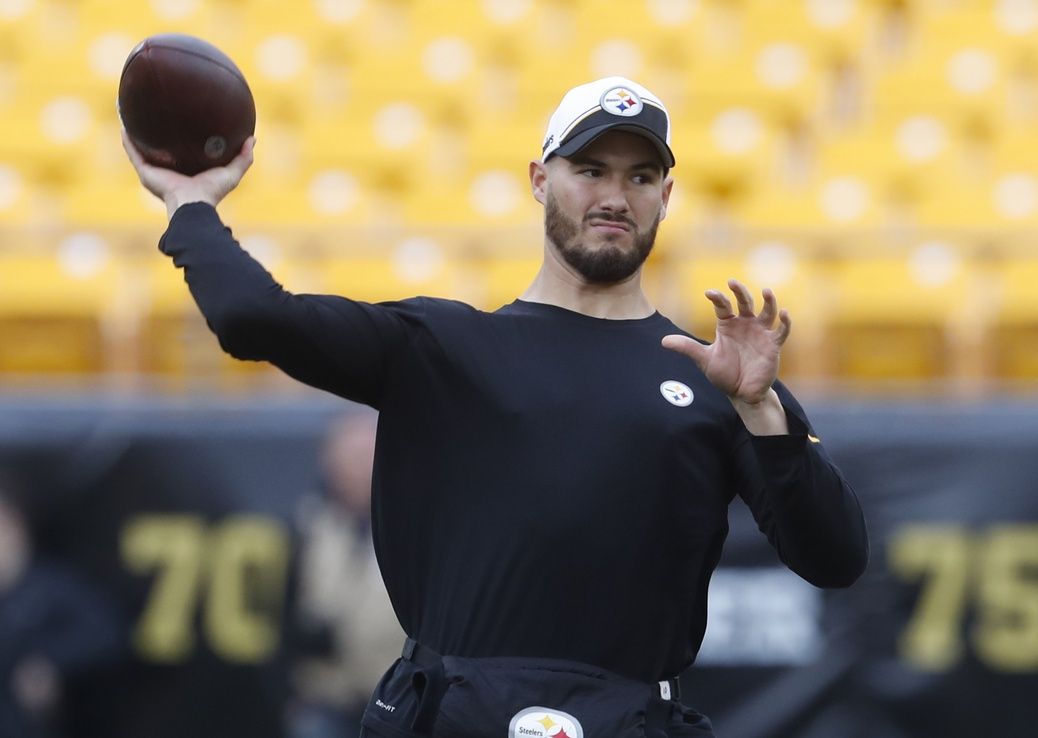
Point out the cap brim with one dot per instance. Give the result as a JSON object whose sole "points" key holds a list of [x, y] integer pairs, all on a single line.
{"points": [[582, 139]]}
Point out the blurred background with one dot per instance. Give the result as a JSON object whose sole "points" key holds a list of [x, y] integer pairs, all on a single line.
{"points": [[873, 161]]}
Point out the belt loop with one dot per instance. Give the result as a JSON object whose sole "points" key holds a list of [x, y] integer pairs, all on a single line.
{"points": [[670, 689], [661, 706], [410, 645], [428, 682]]}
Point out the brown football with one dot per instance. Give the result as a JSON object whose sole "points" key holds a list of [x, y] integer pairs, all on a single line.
{"points": [[184, 103]]}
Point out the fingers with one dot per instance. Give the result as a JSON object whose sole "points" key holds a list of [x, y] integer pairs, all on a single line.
{"points": [[784, 326], [131, 151], [770, 309], [723, 308], [687, 346], [241, 163], [743, 298], [722, 305]]}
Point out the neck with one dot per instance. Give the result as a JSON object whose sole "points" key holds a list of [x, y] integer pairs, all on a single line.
{"points": [[558, 284]]}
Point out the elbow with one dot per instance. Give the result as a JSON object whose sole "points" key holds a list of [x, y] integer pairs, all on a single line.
{"points": [[239, 331], [837, 579], [840, 568]]}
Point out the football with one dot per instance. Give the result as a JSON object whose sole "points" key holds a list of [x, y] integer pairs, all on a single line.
{"points": [[184, 103]]}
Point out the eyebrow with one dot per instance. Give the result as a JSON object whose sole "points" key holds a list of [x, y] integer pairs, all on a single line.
{"points": [[586, 160]]}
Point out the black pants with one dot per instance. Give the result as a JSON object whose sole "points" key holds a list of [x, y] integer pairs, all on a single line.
{"points": [[424, 695]]}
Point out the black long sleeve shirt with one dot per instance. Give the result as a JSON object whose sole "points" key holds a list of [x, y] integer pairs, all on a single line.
{"points": [[535, 491]]}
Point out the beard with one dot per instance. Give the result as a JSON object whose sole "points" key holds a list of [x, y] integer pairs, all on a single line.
{"points": [[611, 261]]}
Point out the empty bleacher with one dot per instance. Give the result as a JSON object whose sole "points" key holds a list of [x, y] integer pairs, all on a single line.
{"points": [[873, 161]]}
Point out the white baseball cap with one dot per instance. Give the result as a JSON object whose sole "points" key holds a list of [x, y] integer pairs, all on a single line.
{"points": [[611, 103]]}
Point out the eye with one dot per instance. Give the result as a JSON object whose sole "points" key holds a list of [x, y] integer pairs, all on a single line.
{"points": [[644, 179], [591, 172]]}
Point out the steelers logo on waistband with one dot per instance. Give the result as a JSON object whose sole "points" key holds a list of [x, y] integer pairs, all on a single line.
{"points": [[621, 101], [544, 722]]}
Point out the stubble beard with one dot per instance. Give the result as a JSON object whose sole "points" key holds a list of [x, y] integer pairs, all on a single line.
{"points": [[611, 262]]}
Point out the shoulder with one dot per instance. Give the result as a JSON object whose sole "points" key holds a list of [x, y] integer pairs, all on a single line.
{"points": [[433, 316], [419, 307], [667, 326]]}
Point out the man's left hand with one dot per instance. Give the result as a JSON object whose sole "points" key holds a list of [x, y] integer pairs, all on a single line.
{"points": [[743, 360]]}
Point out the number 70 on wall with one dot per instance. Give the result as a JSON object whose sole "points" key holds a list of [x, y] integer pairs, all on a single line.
{"points": [[234, 571]]}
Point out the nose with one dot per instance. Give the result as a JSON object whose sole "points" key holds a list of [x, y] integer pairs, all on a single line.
{"points": [[612, 198]]}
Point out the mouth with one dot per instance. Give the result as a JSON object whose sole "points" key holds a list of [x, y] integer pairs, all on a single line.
{"points": [[609, 226]]}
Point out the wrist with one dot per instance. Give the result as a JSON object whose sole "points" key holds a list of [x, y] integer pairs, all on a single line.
{"points": [[174, 200], [764, 417]]}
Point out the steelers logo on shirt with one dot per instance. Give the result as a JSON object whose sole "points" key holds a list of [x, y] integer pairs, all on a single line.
{"points": [[676, 393]]}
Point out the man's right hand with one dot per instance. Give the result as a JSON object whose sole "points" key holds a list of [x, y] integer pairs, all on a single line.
{"points": [[175, 189]]}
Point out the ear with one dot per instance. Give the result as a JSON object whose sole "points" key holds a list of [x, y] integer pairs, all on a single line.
{"points": [[539, 181], [668, 185]]}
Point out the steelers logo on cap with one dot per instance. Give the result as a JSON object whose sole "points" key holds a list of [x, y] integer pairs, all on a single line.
{"points": [[621, 101]]}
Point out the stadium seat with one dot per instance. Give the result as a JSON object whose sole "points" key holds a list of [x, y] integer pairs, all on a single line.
{"points": [[53, 310], [395, 138], [1014, 327], [890, 316], [506, 277], [49, 140], [414, 266], [773, 264], [967, 207], [732, 154]]}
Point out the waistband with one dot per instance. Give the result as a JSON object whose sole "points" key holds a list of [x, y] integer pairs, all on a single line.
{"points": [[666, 689]]}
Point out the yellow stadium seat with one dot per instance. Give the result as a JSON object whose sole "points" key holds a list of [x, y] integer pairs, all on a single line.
{"points": [[114, 206], [506, 277], [833, 31], [495, 198], [839, 206], [1014, 150], [329, 197], [1014, 329], [956, 66], [413, 267], [52, 314], [140, 19], [508, 145], [887, 323], [49, 141], [780, 80], [957, 207], [37, 345], [21, 203], [395, 137], [792, 277], [733, 154], [388, 147], [900, 160]]}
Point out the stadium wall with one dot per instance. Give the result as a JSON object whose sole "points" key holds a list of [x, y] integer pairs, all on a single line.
{"points": [[940, 637]]}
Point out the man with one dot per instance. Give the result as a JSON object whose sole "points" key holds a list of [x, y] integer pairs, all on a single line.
{"points": [[58, 630], [340, 588], [551, 482]]}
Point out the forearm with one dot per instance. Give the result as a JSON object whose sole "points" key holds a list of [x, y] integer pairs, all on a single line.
{"points": [[800, 500], [233, 291], [809, 512]]}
